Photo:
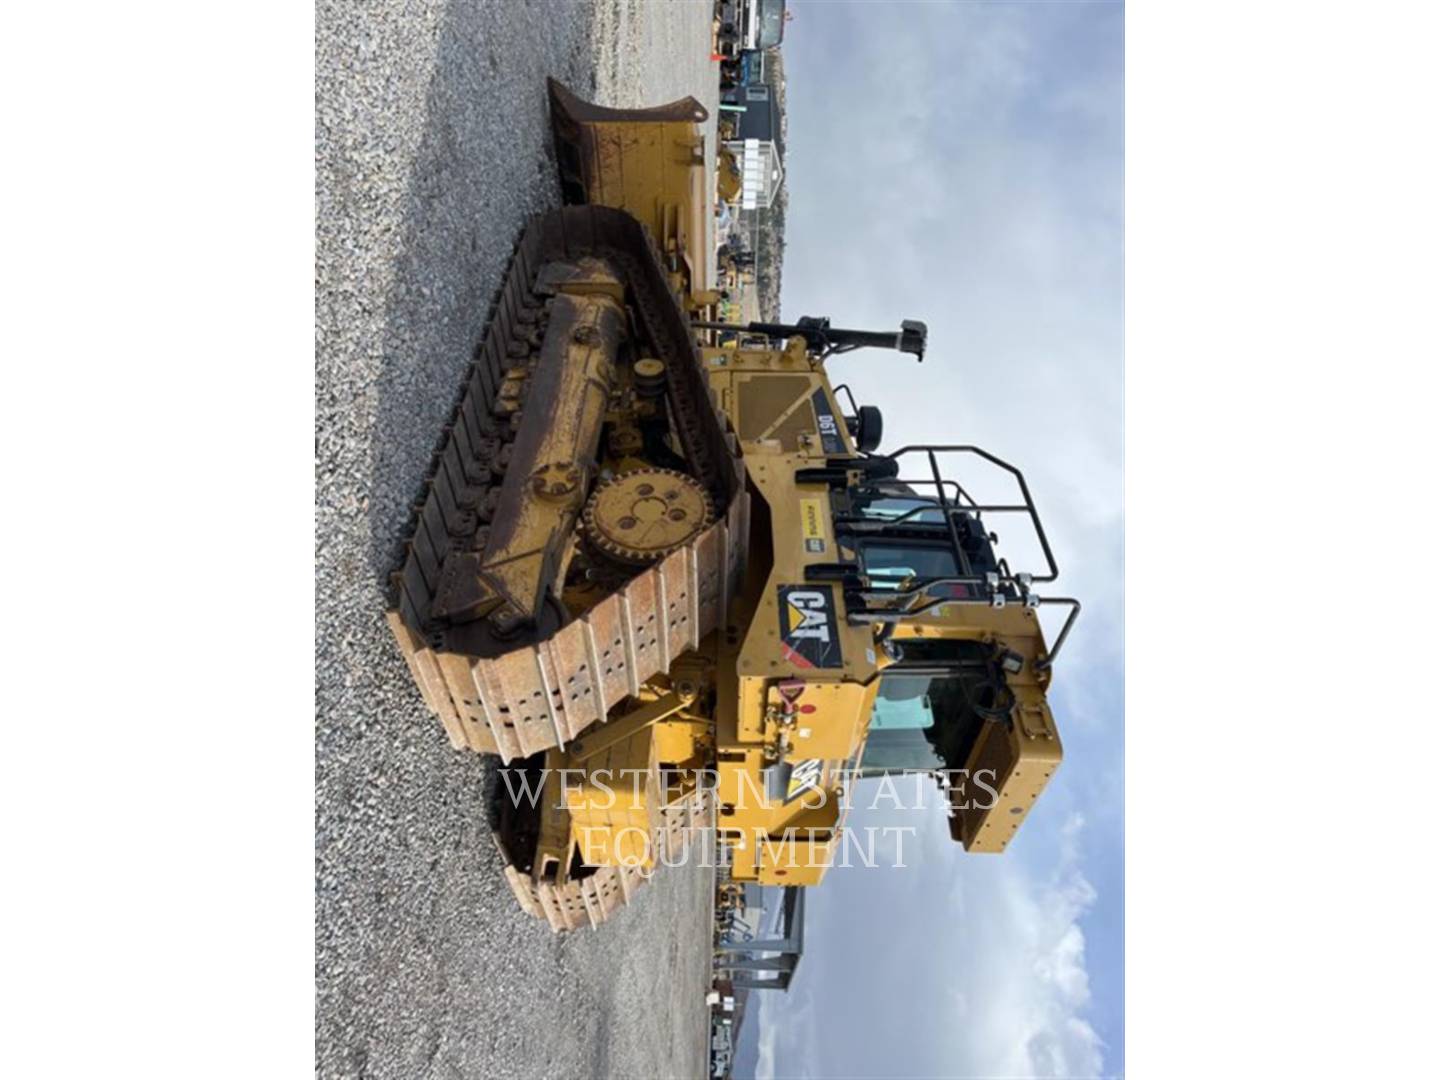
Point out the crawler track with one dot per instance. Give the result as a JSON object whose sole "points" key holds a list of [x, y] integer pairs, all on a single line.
{"points": [[516, 699], [590, 901]]}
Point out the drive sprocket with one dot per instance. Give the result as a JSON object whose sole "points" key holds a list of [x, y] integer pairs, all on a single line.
{"points": [[640, 516]]}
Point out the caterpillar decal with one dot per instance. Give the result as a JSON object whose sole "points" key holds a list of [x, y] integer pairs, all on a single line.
{"points": [[812, 525], [804, 777], [809, 634]]}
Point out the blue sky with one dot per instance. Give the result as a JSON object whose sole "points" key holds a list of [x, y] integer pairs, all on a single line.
{"points": [[963, 164]]}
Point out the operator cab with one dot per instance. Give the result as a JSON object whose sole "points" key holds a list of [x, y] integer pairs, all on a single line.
{"points": [[914, 544]]}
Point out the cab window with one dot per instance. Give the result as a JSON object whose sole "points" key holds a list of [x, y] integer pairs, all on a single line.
{"points": [[898, 740], [888, 563], [890, 507]]}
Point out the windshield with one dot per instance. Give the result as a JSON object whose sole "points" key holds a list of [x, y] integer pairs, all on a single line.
{"points": [[771, 21], [916, 545], [931, 706], [890, 507], [900, 725], [890, 563]]}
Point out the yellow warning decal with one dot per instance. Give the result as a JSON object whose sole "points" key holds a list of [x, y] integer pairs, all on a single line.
{"points": [[812, 525], [805, 777]]}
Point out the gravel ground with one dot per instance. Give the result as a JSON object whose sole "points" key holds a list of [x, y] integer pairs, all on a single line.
{"points": [[432, 149]]}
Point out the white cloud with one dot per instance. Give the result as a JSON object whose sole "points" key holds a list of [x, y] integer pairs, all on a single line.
{"points": [[769, 1036], [961, 966], [1028, 987]]}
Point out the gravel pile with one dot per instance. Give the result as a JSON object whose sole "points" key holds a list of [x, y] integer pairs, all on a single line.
{"points": [[432, 149]]}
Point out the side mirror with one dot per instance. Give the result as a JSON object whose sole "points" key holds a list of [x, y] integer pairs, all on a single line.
{"points": [[913, 333]]}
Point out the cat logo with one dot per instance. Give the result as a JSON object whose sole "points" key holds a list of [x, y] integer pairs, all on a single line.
{"points": [[809, 635], [807, 615], [804, 777]]}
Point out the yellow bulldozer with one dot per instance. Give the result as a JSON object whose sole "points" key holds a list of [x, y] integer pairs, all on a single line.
{"points": [[676, 588]]}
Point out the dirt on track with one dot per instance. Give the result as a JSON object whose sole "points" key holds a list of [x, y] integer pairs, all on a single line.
{"points": [[432, 149]]}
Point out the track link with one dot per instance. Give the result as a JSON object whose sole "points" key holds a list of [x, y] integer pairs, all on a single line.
{"points": [[590, 901]]}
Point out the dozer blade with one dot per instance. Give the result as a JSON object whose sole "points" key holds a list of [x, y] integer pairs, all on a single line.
{"points": [[647, 162], [591, 141]]}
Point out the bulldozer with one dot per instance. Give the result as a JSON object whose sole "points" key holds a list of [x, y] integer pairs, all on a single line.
{"points": [[676, 588]]}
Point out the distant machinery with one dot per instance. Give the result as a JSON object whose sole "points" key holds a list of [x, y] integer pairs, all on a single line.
{"points": [[767, 963], [753, 122]]}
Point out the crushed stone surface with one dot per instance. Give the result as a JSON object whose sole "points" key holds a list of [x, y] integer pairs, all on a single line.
{"points": [[432, 149]]}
